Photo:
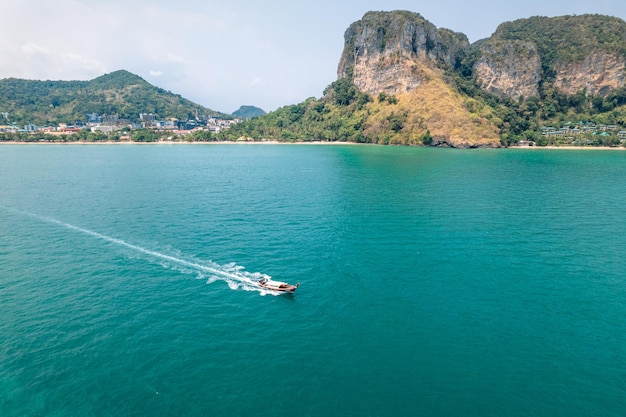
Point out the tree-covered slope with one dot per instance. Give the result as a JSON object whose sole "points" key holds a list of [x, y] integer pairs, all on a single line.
{"points": [[119, 93], [436, 115]]}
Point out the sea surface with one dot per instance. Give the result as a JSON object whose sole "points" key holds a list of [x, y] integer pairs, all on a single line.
{"points": [[434, 282]]}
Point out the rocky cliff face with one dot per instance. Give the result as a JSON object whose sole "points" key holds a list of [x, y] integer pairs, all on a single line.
{"points": [[384, 51], [400, 53], [509, 68], [599, 73], [571, 53], [513, 69]]}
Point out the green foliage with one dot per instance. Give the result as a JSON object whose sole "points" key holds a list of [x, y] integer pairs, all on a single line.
{"points": [[82, 136], [396, 121], [146, 135], [342, 92], [427, 139], [339, 116], [384, 97]]}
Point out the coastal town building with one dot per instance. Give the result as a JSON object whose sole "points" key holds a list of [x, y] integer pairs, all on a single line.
{"points": [[104, 123], [578, 129]]}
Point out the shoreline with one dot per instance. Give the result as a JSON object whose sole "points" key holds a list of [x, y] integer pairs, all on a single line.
{"points": [[226, 142], [572, 148], [275, 142]]}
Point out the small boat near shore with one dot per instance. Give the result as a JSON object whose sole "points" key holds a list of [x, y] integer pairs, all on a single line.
{"points": [[267, 283]]}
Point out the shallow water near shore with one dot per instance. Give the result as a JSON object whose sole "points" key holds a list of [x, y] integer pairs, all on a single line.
{"points": [[434, 282]]}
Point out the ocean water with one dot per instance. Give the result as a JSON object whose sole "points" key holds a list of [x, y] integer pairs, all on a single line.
{"points": [[434, 282]]}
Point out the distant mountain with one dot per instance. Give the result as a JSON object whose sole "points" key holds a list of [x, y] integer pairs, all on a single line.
{"points": [[119, 93], [248, 112]]}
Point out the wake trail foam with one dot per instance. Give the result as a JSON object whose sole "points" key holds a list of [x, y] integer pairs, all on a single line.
{"points": [[233, 274]]}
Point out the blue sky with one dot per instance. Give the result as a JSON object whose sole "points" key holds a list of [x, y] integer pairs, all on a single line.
{"points": [[226, 54]]}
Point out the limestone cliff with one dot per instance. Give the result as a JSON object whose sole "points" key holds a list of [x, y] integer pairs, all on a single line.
{"points": [[599, 73], [402, 54], [509, 68], [571, 53], [384, 51], [435, 76]]}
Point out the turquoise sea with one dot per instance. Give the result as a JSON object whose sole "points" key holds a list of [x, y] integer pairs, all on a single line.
{"points": [[434, 282]]}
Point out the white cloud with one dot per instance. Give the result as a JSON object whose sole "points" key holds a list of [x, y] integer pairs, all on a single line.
{"points": [[83, 64], [31, 48], [155, 73], [255, 81]]}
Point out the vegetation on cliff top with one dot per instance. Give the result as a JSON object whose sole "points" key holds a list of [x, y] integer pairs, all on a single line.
{"points": [[566, 39]]}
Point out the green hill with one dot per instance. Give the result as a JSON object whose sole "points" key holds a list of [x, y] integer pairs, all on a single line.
{"points": [[119, 93], [248, 112]]}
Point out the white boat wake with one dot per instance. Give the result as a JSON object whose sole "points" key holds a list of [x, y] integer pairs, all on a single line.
{"points": [[234, 275]]}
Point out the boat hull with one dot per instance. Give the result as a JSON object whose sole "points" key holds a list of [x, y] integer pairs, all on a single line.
{"points": [[279, 287]]}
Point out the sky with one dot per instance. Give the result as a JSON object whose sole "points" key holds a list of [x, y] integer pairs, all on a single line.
{"points": [[224, 54]]}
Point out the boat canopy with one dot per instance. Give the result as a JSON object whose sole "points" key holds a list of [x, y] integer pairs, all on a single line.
{"points": [[275, 283]]}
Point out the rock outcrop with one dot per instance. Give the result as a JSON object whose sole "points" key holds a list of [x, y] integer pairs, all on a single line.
{"points": [[572, 53], [599, 73], [513, 69], [384, 50], [509, 68], [402, 54]]}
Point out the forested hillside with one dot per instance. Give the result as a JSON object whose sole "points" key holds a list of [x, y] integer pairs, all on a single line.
{"points": [[119, 93], [345, 114]]}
